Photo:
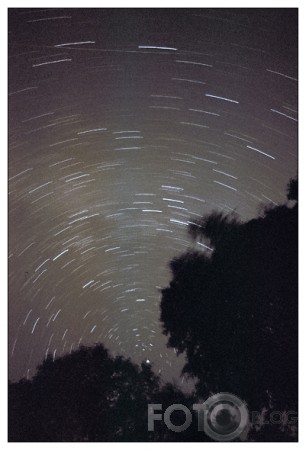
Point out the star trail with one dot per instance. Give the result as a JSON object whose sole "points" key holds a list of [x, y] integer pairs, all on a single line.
{"points": [[125, 125]]}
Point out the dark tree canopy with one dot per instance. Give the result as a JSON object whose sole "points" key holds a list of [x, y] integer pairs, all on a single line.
{"points": [[292, 190], [85, 396], [234, 312], [89, 395]]}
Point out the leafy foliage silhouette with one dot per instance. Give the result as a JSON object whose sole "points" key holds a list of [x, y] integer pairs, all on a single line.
{"points": [[235, 313], [89, 395]]}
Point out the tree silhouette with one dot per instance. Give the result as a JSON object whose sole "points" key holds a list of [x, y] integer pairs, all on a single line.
{"points": [[292, 190], [234, 312], [89, 395], [84, 396]]}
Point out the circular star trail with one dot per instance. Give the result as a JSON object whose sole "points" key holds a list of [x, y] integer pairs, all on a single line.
{"points": [[125, 125]]}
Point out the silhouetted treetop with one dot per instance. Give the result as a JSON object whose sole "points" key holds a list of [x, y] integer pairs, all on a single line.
{"points": [[234, 311], [89, 395], [85, 395], [292, 189], [213, 227]]}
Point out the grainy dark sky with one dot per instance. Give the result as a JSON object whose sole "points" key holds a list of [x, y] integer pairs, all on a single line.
{"points": [[124, 125]]}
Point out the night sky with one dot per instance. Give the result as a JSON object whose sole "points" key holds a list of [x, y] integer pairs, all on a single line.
{"points": [[124, 126]]}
